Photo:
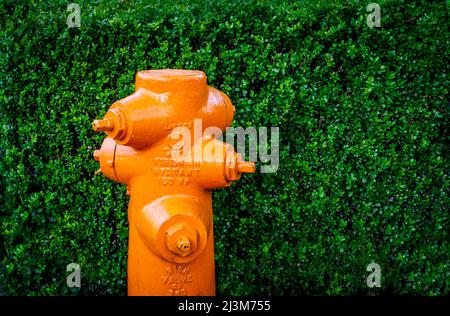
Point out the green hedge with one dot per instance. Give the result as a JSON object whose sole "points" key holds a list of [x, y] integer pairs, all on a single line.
{"points": [[364, 141]]}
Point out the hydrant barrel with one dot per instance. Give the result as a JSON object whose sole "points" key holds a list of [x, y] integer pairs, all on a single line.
{"points": [[169, 168]]}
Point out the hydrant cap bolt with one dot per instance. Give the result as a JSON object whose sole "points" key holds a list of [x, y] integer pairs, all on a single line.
{"points": [[181, 240], [246, 167], [102, 125], [184, 244]]}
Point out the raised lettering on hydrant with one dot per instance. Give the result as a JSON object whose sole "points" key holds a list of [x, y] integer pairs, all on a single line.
{"points": [[171, 244]]}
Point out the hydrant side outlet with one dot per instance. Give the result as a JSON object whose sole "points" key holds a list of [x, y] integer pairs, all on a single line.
{"points": [[171, 242]]}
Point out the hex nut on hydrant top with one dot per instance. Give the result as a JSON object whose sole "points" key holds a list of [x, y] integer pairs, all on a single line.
{"points": [[169, 176]]}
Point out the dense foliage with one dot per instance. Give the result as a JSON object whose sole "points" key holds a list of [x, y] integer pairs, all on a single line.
{"points": [[364, 140]]}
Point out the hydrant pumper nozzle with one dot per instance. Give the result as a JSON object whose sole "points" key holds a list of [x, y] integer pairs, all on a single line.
{"points": [[171, 242]]}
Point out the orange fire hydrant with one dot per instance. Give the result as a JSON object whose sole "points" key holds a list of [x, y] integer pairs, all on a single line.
{"points": [[169, 169]]}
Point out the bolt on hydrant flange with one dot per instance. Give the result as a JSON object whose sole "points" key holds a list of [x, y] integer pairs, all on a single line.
{"points": [[169, 169]]}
